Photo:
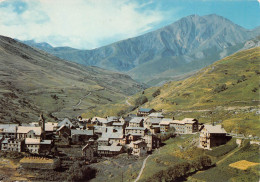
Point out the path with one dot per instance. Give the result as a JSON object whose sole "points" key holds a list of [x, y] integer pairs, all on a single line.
{"points": [[80, 100], [227, 156], [126, 101], [141, 171]]}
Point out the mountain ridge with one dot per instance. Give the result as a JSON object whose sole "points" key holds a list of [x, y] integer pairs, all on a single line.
{"points": [[187, 40]]}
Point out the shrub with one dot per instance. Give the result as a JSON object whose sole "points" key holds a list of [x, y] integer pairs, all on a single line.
{"points": [[220, 88], [243, 78], [78, 172], [156, 93], [141, 100]]}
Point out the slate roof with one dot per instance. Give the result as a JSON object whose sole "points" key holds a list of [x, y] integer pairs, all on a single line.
{"points": [[25, 129], [45, 142], [135, 128], [137, 120], [11, 128], [189, 120], [145, 110], [156, 115], [29, 141], [154, 120], [82, 132], [110, 148], [66, 122], [215, 129], [166, 121]]}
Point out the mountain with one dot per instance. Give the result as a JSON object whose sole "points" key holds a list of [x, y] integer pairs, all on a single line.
{"points": [[183, 47], [33, 82]]}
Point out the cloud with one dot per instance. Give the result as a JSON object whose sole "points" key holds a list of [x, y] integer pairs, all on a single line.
{"points": [[78, 23]]}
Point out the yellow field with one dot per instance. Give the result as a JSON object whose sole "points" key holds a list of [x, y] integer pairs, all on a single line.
{"points": [[243, 164], [35, 160]]}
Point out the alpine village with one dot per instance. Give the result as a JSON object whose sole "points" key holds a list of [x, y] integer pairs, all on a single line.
{"points": [[179, 103]]}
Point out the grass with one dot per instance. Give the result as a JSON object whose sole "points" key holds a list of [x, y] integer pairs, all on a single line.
{"points": [[168, 156], [223, 172], [234, 107], [243, 164]]}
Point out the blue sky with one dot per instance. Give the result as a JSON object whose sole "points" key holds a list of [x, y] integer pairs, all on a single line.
{"points": [[88, 24]]}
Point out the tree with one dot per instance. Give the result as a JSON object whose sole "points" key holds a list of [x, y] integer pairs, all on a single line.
{"points": [[141, 100]]}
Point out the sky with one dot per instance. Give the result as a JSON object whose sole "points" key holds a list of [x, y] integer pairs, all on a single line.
{"points": [[89, 24]]}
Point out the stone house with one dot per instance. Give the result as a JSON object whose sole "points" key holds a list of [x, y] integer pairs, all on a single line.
{"points": [[63, 131], [165, 124], [12, 144], [211, 136], [139, 148], [149, 122], [136, 131], [144, 112], [81, 136], [38, 146], [136, 122], [109, 151], [152, 141], [88, 152], [191, 124], [29, 132], [8, 130]]}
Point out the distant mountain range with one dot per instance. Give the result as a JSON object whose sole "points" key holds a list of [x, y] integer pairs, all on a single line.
{"points": [[169, 53], [34, 82]]}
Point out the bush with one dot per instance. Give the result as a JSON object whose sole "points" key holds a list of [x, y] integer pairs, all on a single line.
{"points": [[141, 100], [243, 78], [78, 172], [156, 93], [220, 88]]}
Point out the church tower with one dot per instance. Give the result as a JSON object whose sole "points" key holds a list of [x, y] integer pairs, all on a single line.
{"points": [[42, 122]]}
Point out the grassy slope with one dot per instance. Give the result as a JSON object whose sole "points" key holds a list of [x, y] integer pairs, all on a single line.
{"points": [[235, 107], [31, 78]]}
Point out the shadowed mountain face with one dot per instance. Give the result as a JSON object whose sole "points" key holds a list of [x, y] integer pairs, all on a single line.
{"points": [[33, 81], [180, 48]]}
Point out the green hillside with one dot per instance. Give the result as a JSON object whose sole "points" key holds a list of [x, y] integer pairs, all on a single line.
{"points": [[226, 92]]}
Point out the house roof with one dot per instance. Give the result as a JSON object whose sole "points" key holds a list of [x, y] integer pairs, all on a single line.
{"points": [[145, 110], [189, 120], [118, 124], [178, 122], [154, 120], [82, 132], [25, 129], [135, 128], [111, 148], [215, 129], [166, 121], [45, 142], [156, 115], [86, 146], [138, 142], [99, 119], [137, 120], [32, 141], [66, 122], [50, 126], [11, 128]]}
